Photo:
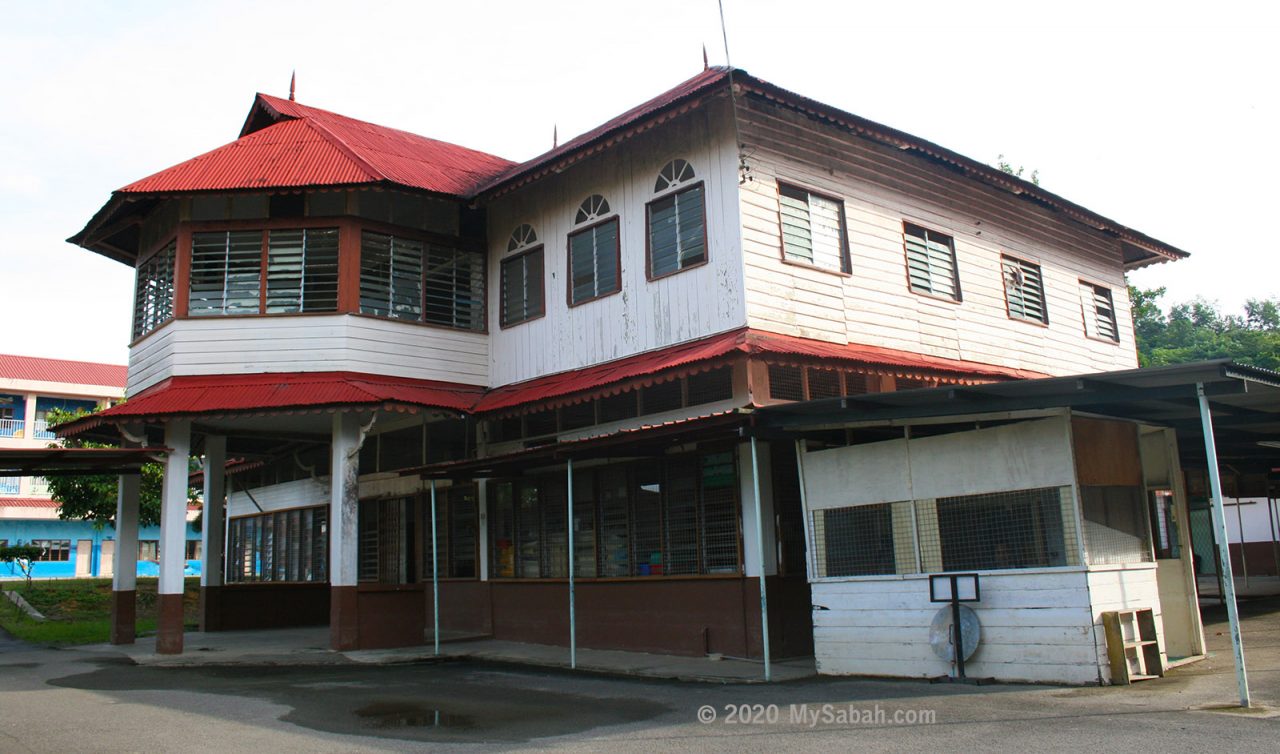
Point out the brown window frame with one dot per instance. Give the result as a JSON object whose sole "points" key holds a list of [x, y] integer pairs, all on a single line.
{"points": [[1022, 264], [503, 322], [958, 297], [617, 261], [846, 261], [672, 193]]}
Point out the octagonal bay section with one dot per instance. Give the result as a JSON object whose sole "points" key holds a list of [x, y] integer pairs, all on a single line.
{"points": [[308, 343], [1063, 518]]}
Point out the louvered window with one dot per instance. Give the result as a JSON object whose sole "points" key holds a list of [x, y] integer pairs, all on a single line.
{"points": [[302, 270], [390, 276], [593, 262], [1024, 290], [226, 273], [677, 224], [931, 262], [522, 295], [1099, 312], [454, 287], [153, 291], [812, 229]]}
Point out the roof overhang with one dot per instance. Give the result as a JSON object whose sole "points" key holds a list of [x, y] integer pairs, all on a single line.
{"points": [[48, 462], [1244, 402]]}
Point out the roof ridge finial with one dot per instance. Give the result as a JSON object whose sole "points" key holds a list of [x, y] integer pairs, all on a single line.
{"points": [[293, 80], [706, 64], [555, 135]]}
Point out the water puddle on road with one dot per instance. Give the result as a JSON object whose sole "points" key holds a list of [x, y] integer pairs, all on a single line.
{"points": [[401, 715]]}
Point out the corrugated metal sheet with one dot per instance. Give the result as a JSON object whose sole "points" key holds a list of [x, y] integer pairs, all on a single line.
{"points": [[61, 370], [306, 146], [28, 502], [750, 342], [180, 396]]}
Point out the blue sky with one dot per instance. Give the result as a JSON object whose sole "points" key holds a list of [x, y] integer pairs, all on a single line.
{"points": [[1160, 116]]}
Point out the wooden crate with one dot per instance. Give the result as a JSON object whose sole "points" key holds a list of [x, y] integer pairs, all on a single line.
{"points": [[1132, 645]]}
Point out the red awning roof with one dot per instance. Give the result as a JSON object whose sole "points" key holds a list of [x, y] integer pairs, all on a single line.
{"points": [[28, 502], [285, 145], [280, 393], [708, 351], [309, 391], [39, 369]]}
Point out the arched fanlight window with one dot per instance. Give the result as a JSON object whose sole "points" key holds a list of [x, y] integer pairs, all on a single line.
{"points": [[593, 207], [521, 237], [673, 174]]}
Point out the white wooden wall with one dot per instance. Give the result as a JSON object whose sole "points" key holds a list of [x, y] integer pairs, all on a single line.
{"points": [[295, 494], [1121, 588], [1036, 626], [337, 342], [881, 188], [645, 315]]}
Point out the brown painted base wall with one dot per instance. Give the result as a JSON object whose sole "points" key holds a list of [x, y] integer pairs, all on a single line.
{"points": [[464, 607], [169, 624], [685, 617], [391, 615], [247, 606], [124, 611], [1260, 559]]}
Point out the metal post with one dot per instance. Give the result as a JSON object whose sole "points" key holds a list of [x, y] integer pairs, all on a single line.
{"points": [[435, 574], [1271, 531], [957, 634], [573, 616], [810, 554], [1224, 548], [764, 597], [1244, 555]]}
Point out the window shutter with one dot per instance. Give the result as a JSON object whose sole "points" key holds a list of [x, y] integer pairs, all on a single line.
{"points": [[931, 262], [302, 270], [522, 295], [391, 276], [1099, 312], [1024, 290], [153, 291], [797, 234], [453, 288], [226, 272], [593, 261]]}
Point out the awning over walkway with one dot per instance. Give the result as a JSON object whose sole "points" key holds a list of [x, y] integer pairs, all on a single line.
{"points": [[275, 393], [1245, 401], [75, 461]]}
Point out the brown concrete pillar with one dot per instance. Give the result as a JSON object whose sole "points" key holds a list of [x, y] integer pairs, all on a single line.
{"points": [[213, 532], [344, 618], [344, 499], [124, 614], [169, 624]]}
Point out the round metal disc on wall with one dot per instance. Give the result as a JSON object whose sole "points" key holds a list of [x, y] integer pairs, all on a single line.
{"points": [[940, 633]]}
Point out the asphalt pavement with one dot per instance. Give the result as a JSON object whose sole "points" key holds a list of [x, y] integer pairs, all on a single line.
{"points": [[60, 700]]}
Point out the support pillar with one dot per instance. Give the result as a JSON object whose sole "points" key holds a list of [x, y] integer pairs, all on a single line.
{"points": [[1224, 546], [213, 533], [344, 499], [173, 537], [124, 568]]}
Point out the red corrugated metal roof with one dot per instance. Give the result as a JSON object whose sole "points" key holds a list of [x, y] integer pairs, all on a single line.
{"points": [[61, 370], [280, 392], [191, 395], [287, 145], [750, 342], [28, 502], [577, 148]]}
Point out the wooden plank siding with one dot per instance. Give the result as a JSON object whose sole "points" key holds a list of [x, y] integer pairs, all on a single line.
{"points": [[1123, 588], [881, 188], [645, 314], [308, 343], [1036, 626]]}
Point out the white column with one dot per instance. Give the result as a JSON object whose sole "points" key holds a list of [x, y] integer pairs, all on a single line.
{"points": [[215, 503], [173, 507], [344, 496], [124, 576], [764, 548], [29, 417]]}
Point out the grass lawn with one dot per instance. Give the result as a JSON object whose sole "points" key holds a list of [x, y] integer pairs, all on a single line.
{"points": [[79, 610]]}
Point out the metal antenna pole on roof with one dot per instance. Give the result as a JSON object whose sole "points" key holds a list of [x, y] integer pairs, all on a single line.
{"points": [[744, 172], [1224, 549]]}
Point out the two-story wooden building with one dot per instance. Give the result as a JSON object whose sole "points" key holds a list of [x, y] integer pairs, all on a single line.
{"points": [[354, 310]]}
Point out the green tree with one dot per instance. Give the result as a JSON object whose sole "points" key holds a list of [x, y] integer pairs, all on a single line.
{"points": [[1195, 330], [22, 556], [1007, 167], [93, 497]]}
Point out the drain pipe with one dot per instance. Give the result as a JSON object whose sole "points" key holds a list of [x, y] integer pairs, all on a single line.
{"points": [[1224, 548], [435, 575]]}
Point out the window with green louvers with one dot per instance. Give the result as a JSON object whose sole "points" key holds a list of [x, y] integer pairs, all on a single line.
{"points": [[931, 262], [812, 229], [593, 262], [1024, 290], [522, 294], [302, 270], [677, 231], [1099, 312], [226, 273]]}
